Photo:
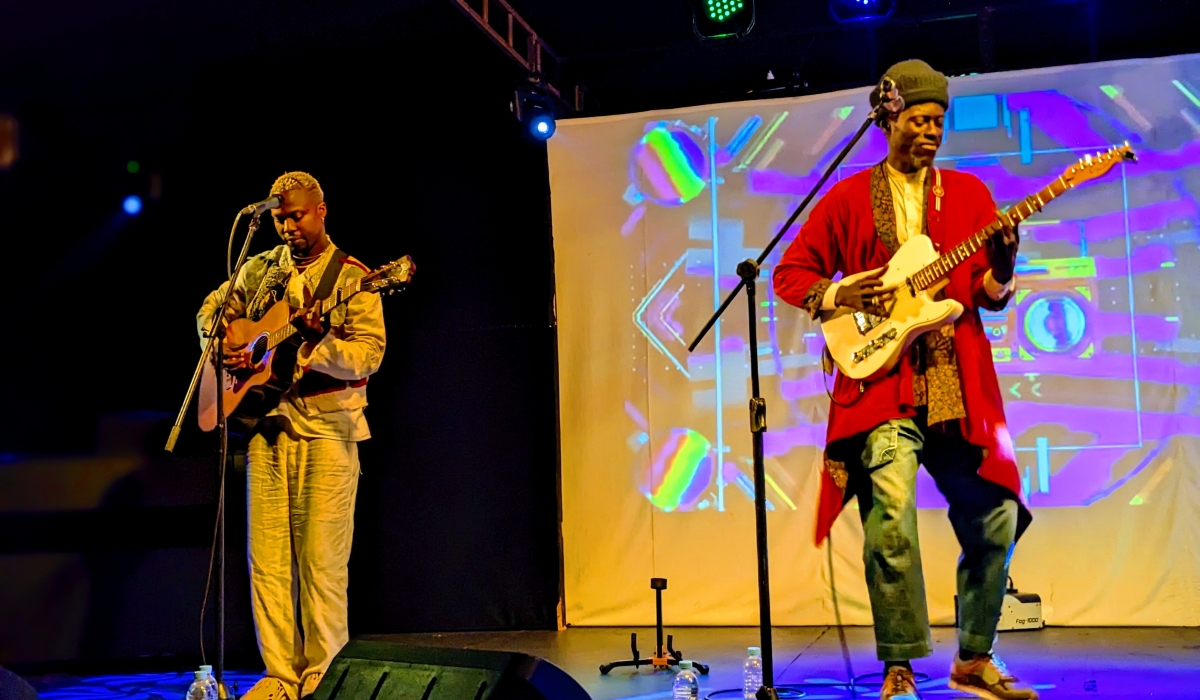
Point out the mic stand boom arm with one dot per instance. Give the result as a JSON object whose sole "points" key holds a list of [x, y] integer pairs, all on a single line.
{"points": [[215, 332], [748, 271]]}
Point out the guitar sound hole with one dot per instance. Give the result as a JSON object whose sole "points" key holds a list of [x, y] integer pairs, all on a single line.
{"points": [[259, 350]]}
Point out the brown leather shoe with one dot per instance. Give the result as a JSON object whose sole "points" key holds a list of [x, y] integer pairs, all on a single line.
{"points": [[899, 684], [982, 678]]}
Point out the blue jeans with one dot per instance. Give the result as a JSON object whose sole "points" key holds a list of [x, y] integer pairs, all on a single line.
{"points": [[984, 516]]}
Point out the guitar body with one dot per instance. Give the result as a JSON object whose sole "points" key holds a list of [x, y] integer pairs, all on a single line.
{"points": [[250, 393], [865, 346]]}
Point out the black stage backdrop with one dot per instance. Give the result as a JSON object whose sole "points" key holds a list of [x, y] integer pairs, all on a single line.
{"points": [[403, 115]]}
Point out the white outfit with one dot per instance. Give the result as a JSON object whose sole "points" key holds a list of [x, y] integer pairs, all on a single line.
{"points": [[303, 474]]}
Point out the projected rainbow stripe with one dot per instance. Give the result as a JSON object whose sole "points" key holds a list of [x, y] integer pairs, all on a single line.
{"points": [[681, 471], [669, 167]]}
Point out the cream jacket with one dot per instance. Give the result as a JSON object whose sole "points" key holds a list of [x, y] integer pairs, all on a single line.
{"points": [[351, 351]]}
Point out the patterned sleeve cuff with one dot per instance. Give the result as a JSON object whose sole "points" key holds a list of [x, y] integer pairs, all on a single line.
{"points": [[994, 289], [815, 297]]}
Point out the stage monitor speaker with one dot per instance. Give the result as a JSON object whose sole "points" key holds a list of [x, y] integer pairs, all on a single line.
{"points": [[385, 671], [13, 687]]}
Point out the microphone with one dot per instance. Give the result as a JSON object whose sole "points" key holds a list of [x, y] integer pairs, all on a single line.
{"points": [[889, 96], [273, 202]]}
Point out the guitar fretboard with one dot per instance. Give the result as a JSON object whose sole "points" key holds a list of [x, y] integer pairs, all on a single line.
{"points": [[1029, 206], [339, 296]]}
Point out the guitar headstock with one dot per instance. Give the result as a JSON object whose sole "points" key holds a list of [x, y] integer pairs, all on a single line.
{"points": [[1091, 167], [394, 275]]}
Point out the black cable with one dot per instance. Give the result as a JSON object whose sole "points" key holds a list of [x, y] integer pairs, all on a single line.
{"points": [[212, 555], [222, 450]]}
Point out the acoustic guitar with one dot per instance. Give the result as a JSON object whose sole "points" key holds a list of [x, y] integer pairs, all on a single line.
{"points": [[251, 393], [866, 345]]}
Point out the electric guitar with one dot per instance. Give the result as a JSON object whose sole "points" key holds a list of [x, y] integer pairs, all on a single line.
{"points": [[865, 345], [251, 393]]}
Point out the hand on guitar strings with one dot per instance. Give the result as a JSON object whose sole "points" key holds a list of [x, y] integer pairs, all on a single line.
{"points": [[866, 293], [1002, 248], [236, 358]]}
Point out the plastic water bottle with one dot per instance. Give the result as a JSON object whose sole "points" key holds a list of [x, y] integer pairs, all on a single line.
{"points": [[198, 690], [686, 685], [210, 682], [752, 678]]}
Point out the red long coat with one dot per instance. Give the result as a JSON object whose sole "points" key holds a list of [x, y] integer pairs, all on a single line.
{"points": [[851, 230]]}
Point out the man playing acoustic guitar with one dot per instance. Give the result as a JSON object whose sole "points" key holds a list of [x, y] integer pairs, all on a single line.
{"points": [[940, 406], [303, 457]]}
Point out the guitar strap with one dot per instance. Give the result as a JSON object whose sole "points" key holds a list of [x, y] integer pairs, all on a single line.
{"points": [[330, 276]]}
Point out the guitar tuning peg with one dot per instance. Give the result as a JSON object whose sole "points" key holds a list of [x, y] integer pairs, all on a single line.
{"points": [[1087, 158]]}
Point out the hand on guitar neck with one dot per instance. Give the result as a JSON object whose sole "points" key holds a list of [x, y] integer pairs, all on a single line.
{"points": [[1002, 248], [309, 322]]}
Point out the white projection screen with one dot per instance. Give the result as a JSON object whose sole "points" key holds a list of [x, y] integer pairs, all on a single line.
{"points": [[1098, 354]]}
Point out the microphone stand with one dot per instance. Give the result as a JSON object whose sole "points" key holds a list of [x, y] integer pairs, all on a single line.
{"points": [[216, 335], [748, 271]]}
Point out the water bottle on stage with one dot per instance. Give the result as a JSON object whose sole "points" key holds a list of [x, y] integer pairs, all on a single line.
{"points": [[752, 673], [198, 690], [687, 683], [212, 692]]}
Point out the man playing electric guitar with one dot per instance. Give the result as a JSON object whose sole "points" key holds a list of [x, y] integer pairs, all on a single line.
{"points": [[940, 406], [303, 457]]}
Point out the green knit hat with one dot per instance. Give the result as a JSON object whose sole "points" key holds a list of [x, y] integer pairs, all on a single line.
{"points": [[917, 82]]}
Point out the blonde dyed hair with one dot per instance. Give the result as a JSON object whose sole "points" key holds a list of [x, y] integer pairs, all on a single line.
{"points": [[297, 180]]}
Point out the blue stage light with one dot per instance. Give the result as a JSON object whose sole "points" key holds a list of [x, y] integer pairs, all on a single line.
{"points": [[861, 10], [133, 205], [535, 108], [543, 126]]}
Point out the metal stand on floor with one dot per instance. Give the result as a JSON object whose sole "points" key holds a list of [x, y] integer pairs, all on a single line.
{"points": [[662, 658], [749, 273]]}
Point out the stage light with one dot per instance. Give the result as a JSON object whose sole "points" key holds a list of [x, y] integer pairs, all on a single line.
{"points": [[133, 166], [535, 109], [132, 205], [861, 10], [716, 19], [543, 126]]}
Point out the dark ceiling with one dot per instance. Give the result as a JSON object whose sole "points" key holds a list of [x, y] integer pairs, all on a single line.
{"points": [[631, 54]]}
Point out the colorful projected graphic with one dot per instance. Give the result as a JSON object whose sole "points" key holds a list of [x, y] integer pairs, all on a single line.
{"points": [[669, 166], [1054, 323], [681, 472], [1098, 353]]}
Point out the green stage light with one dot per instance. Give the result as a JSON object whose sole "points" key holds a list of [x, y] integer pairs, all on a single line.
{"points": [[714, 19]]}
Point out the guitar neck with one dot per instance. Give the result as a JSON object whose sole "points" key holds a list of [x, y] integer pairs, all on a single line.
{"points": [[931, 273], [339, 296]]}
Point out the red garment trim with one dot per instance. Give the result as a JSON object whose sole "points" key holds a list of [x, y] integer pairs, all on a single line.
{"points": [[335, 386], [351, 261]]}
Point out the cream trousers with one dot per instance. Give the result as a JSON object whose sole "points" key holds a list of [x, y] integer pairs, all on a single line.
{"points": [[301, 515]]}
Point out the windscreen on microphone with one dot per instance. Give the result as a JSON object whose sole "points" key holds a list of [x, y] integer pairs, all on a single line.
{"points": [[888, 97], [273, 202]]}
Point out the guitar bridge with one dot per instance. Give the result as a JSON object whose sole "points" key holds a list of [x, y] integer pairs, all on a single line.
{"points": [[864, 321], [874, 346]]}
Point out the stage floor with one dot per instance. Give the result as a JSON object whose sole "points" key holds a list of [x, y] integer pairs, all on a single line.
{"points": [[1060, 662]]}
